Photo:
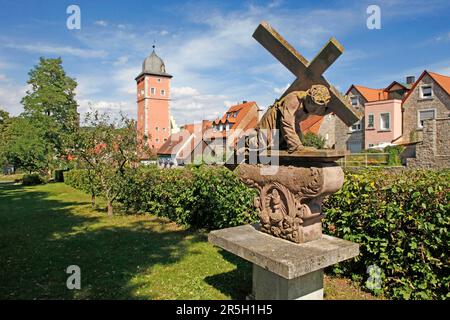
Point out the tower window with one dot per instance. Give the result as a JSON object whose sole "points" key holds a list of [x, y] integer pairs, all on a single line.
{"points": [[157, 140], [156, 128], [152, 90], [163, 92], [159, 79]]}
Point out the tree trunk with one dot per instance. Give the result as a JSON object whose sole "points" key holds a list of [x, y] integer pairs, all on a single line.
{"points": [[93, 201], [110, 209]]}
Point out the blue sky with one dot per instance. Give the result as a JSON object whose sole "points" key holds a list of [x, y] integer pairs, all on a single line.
{"points": [[208, 47]]}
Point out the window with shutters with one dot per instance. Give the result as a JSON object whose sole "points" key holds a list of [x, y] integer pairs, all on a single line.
{"points": [[425, 115]]}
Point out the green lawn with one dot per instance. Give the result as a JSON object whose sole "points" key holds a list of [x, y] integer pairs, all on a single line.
{"points": [[44, 229]]}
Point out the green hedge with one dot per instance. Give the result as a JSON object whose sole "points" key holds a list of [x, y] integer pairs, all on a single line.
{"points": [[401, 221], [33, 179], [80, 179], [202, 197]]}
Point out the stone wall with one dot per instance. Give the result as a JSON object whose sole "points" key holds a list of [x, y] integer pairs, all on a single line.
{"points": [[342, 133], [440, 102], [327, 130], [434, 150]]}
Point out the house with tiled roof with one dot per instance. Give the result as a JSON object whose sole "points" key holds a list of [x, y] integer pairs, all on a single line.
{"points": [[382, 121], [398, 114], [239, 120], [210, 140], [426, 121], [184, 146]]}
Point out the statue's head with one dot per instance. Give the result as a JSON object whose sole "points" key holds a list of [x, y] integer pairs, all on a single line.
{"points": [[317, 99]]}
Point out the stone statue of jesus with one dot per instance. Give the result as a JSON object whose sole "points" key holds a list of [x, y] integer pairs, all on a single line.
{"points": [[286, 115]]}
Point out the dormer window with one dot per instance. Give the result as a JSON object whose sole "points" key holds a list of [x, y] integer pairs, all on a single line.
{"points": [[355, 100], [426, 91], [228, 115], [235, 114]]}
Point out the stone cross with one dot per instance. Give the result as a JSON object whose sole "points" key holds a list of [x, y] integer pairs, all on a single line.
{"points": [[308, 73]]}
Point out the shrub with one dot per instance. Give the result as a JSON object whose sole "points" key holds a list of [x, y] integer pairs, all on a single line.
{"points": [[202, 197], [394, 155], [313, 140], [401, 221], [33, 179], [83, 179]]}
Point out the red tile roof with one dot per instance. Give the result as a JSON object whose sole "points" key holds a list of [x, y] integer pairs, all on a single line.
{"points": [[311, 124], [441, 80], [174, 143], [240, 108], [370, 94]]}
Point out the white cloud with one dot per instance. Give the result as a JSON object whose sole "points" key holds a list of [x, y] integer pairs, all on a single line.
{"points": [[106, 106], [121, 61], [3, 77], [281, 90], [183, 92], [101, 23], [164, 33], [10, 97], [58, 50]]}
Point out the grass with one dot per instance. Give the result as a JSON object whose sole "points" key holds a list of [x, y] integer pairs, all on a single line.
{"points": [[46, 228]]}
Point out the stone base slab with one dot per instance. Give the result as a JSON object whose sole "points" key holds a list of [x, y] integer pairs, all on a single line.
{"points": [[283, 258]]}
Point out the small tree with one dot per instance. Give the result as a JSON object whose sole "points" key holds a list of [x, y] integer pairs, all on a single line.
{"points": [[107, 147]]}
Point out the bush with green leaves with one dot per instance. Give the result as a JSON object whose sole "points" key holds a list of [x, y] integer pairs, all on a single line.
{"points": [[33, 179], [85, 180], [401, 221], [394, 155], [313, 140], [197, 196]]}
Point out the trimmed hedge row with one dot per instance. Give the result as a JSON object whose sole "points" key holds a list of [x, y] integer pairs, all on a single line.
{"points": [[202, 197], [401, 221]]}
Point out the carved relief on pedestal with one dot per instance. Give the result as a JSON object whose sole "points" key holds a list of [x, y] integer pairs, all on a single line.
{"points": [[289, 203]]}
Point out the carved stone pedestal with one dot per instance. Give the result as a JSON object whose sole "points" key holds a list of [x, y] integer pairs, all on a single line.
{"points": [[287, 248], [290, 197]]}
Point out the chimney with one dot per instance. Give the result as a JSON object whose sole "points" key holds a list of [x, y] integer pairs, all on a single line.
{"points": [[245, 101], [410, 79]]}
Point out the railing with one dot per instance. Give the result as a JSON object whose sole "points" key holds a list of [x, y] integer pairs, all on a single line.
{"points": [[364, 160]]}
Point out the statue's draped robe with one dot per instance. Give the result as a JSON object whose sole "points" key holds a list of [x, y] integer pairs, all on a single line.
{"points": [[284, 115]]}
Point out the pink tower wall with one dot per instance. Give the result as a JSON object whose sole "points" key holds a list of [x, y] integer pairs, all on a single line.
{"points": [[158, 113]]}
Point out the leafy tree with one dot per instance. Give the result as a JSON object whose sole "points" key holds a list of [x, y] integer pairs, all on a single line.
{"points": [[4, 120], [51, 102], [4, 116], [107, 147], [24, 145]]}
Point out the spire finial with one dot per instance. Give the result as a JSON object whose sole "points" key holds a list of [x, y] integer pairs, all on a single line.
{"points": [[154, 45]]}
